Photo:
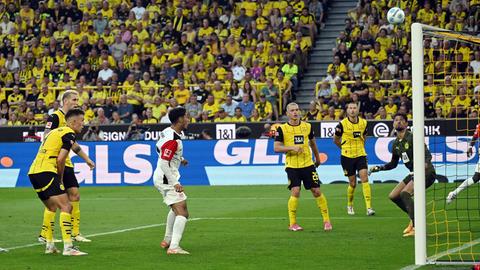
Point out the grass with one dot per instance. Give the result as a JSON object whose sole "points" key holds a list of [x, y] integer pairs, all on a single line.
{"points": [[235, 227]]}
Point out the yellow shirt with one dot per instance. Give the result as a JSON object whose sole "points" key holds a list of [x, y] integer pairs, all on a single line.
{"points": [[296, 136], [211, 109], [46, 159], [446, 107], [150, 121], [353, 137], [181, 96]]}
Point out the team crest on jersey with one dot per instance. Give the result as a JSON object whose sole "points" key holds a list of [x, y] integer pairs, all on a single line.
{"points": [[62, 187], [298, 139], [407, 145]]}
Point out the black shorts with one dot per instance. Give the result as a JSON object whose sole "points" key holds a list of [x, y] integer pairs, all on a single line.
{"points": [[69, 178], [308, 175], [352, 165], [46, 184], [429, 178]]}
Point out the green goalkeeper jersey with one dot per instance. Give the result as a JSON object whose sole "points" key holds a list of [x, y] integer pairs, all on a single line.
{"points": [[403, 148]]}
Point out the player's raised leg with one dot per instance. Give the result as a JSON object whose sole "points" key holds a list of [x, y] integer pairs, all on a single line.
{"points": [[465, 184]]}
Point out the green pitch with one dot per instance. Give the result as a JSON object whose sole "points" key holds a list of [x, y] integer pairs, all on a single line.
{"points": [[236, 227]]}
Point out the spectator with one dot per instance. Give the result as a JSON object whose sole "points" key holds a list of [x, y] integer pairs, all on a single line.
{"points": [[138, 10], [382, 114], [229, 105], [239, 117], [149, 119], [312, 112], [222, 116], [271, 93], [194, 108], [116, 120], [246, 105], [370, 106], [15, 98], [211, 107], [92, 134], [125, 109], [264, 108]]}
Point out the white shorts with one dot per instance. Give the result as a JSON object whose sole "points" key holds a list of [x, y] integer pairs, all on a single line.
{"points": [[477, 168], [170, 196]]}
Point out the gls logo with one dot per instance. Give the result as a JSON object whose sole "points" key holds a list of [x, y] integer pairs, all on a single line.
{"points": [[381, 130]]}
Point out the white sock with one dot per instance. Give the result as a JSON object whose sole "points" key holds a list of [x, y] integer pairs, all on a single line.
{"points": [[178, 228], [169, 226], [464, 185]]}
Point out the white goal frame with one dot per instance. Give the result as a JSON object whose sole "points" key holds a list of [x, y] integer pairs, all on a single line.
{"points": [[419, 148]]}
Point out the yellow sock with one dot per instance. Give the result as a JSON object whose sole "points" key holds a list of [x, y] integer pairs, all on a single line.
{"points": [[322, 204], [45, 223], [367, 195], [75, 218], [66, 226], [292, 210], [48, 225], [350, 192]]}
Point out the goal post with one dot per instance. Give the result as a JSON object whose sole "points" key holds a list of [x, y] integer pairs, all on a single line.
{"points": [[419, 148]]}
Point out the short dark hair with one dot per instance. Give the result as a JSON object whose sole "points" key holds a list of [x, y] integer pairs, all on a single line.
{"points": [[404, 116], [74, 112], [176, 113]]}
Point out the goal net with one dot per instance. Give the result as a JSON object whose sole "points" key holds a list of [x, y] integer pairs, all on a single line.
{"points": [[446, 89]]}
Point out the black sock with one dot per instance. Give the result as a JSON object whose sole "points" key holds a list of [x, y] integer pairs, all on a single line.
{"points": [[408, 202], [398, 201]]}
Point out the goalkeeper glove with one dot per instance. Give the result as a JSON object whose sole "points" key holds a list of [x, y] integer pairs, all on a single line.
{"points": [[374, 169]]}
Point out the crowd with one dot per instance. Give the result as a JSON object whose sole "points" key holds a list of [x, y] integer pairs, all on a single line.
{"points": [[132, 61], [372, 63]]}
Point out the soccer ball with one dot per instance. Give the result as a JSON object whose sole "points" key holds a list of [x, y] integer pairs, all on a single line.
{"points": [[395, 16]]}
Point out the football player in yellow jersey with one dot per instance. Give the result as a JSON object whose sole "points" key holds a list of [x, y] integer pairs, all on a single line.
{"points": [[47, 177], [296, 138], [350, 135], [58, 120]]}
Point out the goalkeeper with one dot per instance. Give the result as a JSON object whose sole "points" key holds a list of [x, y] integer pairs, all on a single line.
{"points": [[402, 148]]}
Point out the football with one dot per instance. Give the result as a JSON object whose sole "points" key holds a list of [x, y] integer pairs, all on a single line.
{"points": [[395, 16]]}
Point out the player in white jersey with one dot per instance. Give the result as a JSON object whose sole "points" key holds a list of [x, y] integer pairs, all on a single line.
{"points": [[166, 179]]}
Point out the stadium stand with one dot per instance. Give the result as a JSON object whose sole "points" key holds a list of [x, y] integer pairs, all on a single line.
{"points": [[372, 66], [137, 59]]}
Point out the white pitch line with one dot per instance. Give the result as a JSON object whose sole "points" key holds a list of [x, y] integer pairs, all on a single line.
{"points": [[445, 253], [203, 198], [205, 218], [104, 233]]}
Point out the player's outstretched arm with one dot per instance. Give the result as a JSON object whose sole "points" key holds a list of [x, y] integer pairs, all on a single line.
{"points": [[78, 150], [388, 166]]}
